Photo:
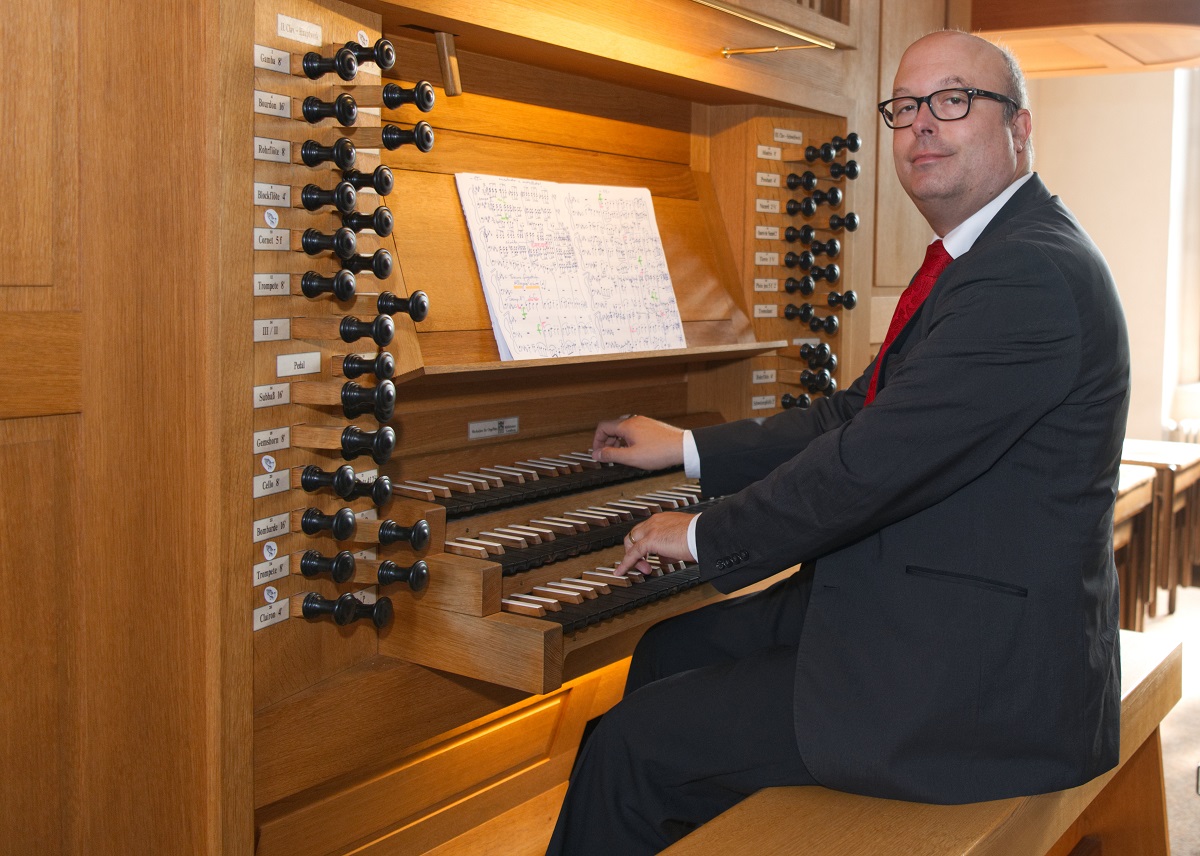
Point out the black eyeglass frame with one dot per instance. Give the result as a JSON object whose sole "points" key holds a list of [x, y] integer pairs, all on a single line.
{"points": [[927, 100]]}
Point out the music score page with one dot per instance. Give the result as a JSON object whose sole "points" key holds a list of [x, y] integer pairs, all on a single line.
{"points": [[570, 269]]}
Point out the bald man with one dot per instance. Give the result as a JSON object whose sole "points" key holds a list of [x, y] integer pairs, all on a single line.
{"points": [[951, 634]]}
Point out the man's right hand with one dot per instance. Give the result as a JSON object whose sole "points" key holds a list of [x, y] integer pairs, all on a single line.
{"points": [[638, 441]]}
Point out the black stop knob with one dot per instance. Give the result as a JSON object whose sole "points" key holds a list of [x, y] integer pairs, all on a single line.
{"points": [[379, 489], [849, 222], [382, 53], [851, 142], [342, 243], [829, 273], [805, 285], [828, 324], [380, 180], [416, 575], [813, 153], [381, 329], [378, 263], [341, 524], [343, 108], [416, 535], [849, 169], [831, 248], [344, 63], [342, 610], [342, 197], [420, 136], [848, 300], [807, 181], [421, 95], [379, 221], [802, 260], [416, 305], [379, 400], [817, 355], [802, 401], [339, 567], [380, 612], [804, 234], [341, 480], [382, 365], [379, 444], [342, 153], [341, 285], [802, 312]]}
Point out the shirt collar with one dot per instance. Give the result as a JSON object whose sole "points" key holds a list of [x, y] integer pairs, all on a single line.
{"points": [[963, 236]]}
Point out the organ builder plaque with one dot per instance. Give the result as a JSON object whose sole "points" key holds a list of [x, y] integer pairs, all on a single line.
{"points": [[570, 269]]}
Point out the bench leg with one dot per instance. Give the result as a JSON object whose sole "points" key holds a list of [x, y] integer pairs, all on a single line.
{"points": [[1128, 817]]}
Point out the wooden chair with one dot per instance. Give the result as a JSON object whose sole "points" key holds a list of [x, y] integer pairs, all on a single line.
{"points": [[1121, 813], [1177, 511], [1133, 541]]}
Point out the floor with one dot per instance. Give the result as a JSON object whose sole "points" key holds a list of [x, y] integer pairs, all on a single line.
{"points": [[1180, 731]]}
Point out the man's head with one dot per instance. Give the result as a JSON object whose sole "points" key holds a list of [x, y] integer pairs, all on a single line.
{"points": [[953, 168]]}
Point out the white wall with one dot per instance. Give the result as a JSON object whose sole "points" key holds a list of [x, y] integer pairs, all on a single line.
{"points": [[1103, 143]]}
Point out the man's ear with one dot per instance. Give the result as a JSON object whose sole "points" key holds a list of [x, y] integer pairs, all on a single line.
{"points": [[1022, 128]]}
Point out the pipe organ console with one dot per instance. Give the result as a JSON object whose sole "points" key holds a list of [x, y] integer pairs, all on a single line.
{"points": [[456, 589], [376, 558]]}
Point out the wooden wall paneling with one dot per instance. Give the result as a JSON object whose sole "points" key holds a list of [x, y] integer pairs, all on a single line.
{"points": [[39, 720], [514, 100]]}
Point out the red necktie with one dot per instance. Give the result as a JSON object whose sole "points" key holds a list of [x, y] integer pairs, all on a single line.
{"points": [[936, 259]]}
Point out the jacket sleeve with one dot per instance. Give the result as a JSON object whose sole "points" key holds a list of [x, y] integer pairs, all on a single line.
{"points": [[999, 351]]}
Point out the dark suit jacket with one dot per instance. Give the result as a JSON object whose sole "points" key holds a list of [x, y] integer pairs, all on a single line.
{"points": [[960, 643]]}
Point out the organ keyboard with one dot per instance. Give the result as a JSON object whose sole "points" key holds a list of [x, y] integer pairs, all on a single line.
{"points": [[538, 539]]}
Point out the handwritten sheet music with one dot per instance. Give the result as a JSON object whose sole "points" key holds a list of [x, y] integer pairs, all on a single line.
{"points": [[570, 269]]}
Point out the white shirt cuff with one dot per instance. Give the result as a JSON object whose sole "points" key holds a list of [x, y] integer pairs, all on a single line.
{"points": [[691, 456], [692, 537]]}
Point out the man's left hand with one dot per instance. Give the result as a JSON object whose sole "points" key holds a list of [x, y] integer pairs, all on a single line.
{"points": [[664, 534]]}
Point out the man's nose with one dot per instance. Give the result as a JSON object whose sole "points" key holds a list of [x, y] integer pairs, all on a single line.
{"points": [[924, 122]]}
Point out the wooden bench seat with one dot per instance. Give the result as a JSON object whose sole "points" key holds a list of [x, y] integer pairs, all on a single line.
{"points": [[1122, 813], [1133, 542]]}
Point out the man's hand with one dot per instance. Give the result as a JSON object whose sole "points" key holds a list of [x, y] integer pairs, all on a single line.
{"points": [[638, 441], [664, 534]]}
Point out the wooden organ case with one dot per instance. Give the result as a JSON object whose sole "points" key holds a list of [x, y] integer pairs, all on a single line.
{"points": [[480, 666], [448, 723]]}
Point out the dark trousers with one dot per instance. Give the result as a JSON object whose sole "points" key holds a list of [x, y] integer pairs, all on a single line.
{"points": [[706, 721]]}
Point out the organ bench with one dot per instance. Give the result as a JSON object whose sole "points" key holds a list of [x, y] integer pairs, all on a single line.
{"points": [[1122, 812]]}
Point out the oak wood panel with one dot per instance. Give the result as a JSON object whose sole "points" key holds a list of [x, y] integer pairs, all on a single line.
{"points": [[40, 729], [42, 351], [164, 703], [456, 151], [414, 707], [514, 100], [418, 786]]}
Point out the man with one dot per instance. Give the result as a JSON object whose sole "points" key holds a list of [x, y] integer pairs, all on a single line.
{"points": [[953, 635]]}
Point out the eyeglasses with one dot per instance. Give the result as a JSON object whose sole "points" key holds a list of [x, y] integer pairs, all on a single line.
{"points": [[945, 104]]}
